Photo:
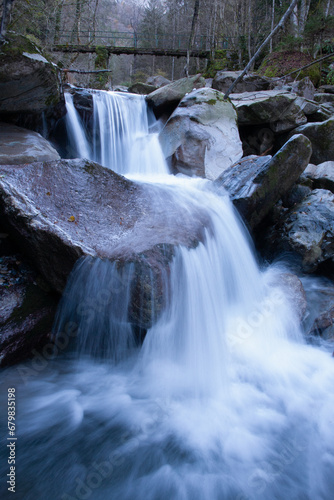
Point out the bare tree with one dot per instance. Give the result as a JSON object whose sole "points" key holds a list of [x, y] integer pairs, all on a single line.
{"points": [[6, 13]]}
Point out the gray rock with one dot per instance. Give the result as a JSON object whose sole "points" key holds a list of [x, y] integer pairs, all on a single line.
{"points": [[327, 89], [202, 135], [141, 88], [294, 290], [322, 175], [321, 135], [255, 184], [19, 145], [322, 98], [308, 229], [304, 88], [163, 101], [281, 110], [324, 325], [157, 81], [27, 310], [28, 81], [62, 210], [250, 83]]}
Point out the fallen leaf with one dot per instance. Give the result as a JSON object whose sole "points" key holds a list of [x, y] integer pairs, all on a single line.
{"points": [[71, 219]]}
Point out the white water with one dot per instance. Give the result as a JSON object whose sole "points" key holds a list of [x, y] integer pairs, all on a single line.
{"points": [[122, 138], [224, 400]]}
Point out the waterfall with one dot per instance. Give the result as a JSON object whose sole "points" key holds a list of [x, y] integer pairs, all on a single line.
{"points": [[122, 137], [222, 401]]}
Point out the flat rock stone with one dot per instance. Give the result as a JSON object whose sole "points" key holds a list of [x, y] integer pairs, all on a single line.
{"points": [[255, 184], [19, 145], [201, 136]]}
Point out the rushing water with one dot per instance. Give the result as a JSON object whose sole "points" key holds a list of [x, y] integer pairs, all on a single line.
{"points": [[223, 401]]}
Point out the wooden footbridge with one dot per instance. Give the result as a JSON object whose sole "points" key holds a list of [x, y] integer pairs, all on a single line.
{"points": [[162, 44]]}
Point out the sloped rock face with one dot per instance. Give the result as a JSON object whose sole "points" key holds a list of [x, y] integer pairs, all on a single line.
{"points": [[321, 136], [202, 136], [28, 81], [60, 211], [255, 184], [308, 230], [19, 145], [250, 83], [164, 100]]}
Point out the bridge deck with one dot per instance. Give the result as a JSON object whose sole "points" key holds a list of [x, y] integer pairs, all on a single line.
{"points": [[130, 50]]}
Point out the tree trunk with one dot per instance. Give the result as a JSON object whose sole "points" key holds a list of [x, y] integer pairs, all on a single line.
{"points": [[259, 50], [94, 17], [272, 24], [76, 25], [6, 12], [192, 35], [59, 9]]}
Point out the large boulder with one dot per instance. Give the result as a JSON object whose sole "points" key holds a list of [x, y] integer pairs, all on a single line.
{"points": [[308, 230], [321, 176], [62, 210], [250, 83], [321, 136], [202, 135], [28, 80], [164, 100], [282, 110], [255, 184], [19, 145]]}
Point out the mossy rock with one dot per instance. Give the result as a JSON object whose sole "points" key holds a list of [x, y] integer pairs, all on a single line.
{"points": [[279, 64]]}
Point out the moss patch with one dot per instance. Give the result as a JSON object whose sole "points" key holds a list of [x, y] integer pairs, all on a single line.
{"points": [[279, 64]]}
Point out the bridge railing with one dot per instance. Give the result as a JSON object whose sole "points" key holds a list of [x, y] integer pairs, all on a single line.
{"points": [[137, 40]]}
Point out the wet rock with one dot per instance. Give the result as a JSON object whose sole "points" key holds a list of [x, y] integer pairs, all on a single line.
{"points": [[295, 195], [201, 136], [308, 230], [294, 290], [142, 88], [281, 110], [322, 175], [62, 210], [321, 136], [28, 80], [255, 184], [250, 83], [19, 145], [163, 101], [27, 311], [324, 325]]}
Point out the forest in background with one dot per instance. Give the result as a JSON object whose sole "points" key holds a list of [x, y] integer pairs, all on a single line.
{"points": [[231, 29]]}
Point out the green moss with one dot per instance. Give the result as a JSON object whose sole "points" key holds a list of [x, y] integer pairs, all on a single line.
{"points": [[279, 64], [211, 102]]}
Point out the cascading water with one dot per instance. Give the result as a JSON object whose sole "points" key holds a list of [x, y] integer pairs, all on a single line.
{"points": [[122, 139], [223, 401]]}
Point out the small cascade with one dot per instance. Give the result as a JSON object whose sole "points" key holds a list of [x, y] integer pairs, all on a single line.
{"points": [[76, 132], [122, 134]]}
